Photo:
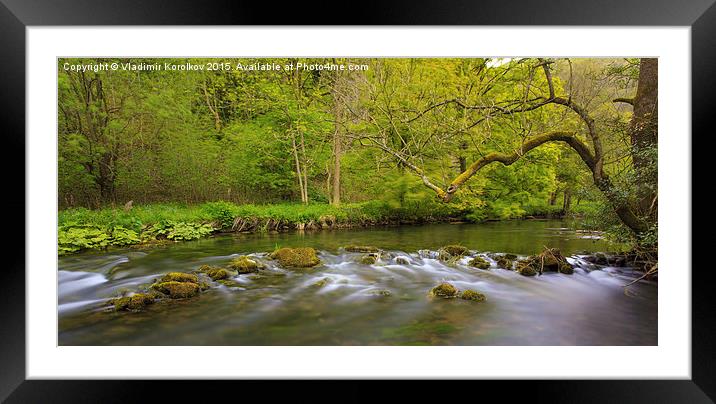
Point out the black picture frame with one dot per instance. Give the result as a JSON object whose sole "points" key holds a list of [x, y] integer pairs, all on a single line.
{"points": [[16, 15]]}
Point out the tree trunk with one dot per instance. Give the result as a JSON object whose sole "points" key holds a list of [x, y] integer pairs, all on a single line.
{"points": [[553, 198], [336, 200], [567, 201], [298, 170], [304, 169], [644, 124], [462, 159], [644, 132], [213, 109]]}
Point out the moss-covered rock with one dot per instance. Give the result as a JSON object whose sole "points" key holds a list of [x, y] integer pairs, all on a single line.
{"points": [[504, 262], [451, 252], [179, 277], [550, 260], [566, 269], [479, 262], [362, 249], [133, 303], [296, 257], [177, 290], [600, 259], [444, 290], [473, 295], [245, 265], [402, 261], [526, 268], [218, 273], [368, 259], [321, 283], [510, 257]]}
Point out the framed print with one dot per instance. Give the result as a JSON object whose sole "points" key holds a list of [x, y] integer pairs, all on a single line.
{"points": [[470, 198]]}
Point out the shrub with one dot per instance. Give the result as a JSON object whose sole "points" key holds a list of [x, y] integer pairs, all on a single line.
{"points": [[221, 212]]}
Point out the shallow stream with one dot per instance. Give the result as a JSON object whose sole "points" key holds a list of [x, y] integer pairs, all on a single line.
{"points": [[381, 304]]}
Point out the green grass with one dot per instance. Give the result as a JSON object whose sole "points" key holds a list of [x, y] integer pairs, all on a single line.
{"points": [[85, 229], [81, 229]]}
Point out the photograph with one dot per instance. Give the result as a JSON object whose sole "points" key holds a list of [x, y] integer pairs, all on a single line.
{"points": [[357, 201]]}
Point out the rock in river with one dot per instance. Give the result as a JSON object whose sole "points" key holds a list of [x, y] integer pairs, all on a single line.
{"points": [[296, 257], [444, 290], [177, 290], [245, 265]]}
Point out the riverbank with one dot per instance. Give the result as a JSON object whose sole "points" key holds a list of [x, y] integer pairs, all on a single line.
{"points": [[82, 229]]}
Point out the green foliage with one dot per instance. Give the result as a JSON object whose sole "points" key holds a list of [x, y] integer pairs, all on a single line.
{"points": [[650, 238], [75, 238], [122, 236], [221, 212], [82, 229], [258, 142], [179, 231], [505, 210]]}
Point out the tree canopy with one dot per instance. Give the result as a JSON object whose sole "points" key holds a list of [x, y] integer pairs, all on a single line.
{"points": [[497, 137]]}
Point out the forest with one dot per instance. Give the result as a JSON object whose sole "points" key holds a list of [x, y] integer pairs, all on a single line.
{"points": [[358, 201], [278, 144]]}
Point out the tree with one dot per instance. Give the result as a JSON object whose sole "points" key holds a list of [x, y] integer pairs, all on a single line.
{"points": [[90, 114], [586, 142], [643, 133]]}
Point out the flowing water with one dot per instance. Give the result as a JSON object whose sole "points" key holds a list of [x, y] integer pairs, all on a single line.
{"points": [[382, 304]]}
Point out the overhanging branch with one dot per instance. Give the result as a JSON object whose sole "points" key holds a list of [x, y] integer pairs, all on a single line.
{"points": [[508, 159]]}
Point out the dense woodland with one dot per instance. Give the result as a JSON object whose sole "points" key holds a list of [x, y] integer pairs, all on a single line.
{"points": [[477, 139]]}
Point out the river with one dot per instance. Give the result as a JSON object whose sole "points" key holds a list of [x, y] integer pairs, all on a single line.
{"points": [[382, 304]]}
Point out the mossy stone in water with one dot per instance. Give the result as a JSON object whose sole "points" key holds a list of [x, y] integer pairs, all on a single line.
{"points": [[245, 265], [179, 277], [445, 290], [600, 259], [362, 249], [526, 268], [135, 302], [566, 269], [455, 250], [504, 262], [205, 268], [321, 283], [473, 295], [296, 257], [402, 261], [451, 251], [177, 290], [218, 273], [368, 259], [479, 262], [551, 260]]}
